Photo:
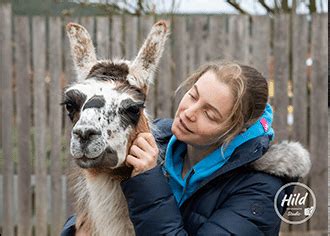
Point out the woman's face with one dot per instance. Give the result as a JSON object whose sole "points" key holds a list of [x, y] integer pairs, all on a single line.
{"points": [[202, 111]]}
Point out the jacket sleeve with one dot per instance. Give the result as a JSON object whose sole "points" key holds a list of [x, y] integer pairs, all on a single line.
{"points": [[69, 226], [152, 206], [248, 211]]}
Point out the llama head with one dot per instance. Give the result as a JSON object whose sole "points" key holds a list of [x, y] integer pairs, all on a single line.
{"points": [[106, 103]]}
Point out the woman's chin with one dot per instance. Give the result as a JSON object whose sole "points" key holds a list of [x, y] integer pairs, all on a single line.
{"points": [[179, 134]]}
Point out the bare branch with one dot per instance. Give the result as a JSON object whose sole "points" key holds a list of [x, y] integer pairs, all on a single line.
{"points": [[237, 6], [268, 9], [312, 6]]}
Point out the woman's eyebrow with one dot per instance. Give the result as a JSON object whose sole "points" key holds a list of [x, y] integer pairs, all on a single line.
{"points": [[209, 105]]}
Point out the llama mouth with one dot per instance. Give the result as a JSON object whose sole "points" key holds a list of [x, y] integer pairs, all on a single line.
{"points": [[107, 159]]}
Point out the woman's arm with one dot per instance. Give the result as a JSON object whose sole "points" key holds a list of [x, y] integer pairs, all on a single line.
{"points": [[152, 207]]}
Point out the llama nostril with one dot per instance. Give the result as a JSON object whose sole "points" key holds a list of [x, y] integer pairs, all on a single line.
{"points": [[86, 133]]}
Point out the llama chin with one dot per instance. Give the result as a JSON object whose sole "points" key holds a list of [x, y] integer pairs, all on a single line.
{"points": [[106, 106]]}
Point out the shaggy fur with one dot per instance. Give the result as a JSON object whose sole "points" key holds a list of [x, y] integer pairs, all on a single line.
{"points": [[287, 159]]}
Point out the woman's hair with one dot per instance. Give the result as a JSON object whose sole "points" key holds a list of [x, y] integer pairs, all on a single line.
{"points": [[249, 88]]}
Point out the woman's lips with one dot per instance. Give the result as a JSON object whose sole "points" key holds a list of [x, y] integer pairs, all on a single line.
{"points": [[184, 126]]}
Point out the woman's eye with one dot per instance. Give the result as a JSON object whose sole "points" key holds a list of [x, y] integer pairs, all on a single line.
{"points": [[209, 116], [192, 96]]}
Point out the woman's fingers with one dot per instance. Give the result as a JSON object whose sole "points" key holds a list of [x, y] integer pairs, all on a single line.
{"points": [[138, 152], [147, 143], [143, 153], [139, 166]]}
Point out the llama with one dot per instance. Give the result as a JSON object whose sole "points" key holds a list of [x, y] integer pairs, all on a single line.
{"points": [[106, 106]]}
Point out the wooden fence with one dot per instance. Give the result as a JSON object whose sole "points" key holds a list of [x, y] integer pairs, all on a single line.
{"points": [[35, 66]]}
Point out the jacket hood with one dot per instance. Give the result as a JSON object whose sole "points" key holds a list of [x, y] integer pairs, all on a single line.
{"points": [[286, 159]]}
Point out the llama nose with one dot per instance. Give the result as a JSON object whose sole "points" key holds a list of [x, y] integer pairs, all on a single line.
{"points": [[85, 133]]}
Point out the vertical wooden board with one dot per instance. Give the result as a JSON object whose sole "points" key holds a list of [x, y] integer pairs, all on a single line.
{"points": [[260, 43], [55, 70], [103, 37], [179, 51], [145, 24], [117, 37], [70, 77], [189, 47], [198, 34], [217, 48], [23, 120], [281, 61], [6, 78], [131, 37], [39, 110], [318, 119], [299, 76], [300, 97], [238, 38], [164, 96]]}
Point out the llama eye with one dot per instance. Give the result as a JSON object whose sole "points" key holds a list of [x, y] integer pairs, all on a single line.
{"points": [[131, 113], [133, 110], [69, 107]]}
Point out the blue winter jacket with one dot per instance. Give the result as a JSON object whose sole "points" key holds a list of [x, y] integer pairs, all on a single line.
{"points": [[235, 200]]}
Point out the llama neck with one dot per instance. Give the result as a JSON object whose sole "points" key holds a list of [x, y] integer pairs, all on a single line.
{"points": [[107, 206]]}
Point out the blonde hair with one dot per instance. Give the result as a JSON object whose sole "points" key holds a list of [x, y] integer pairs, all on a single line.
{"points": [[249, 88]]}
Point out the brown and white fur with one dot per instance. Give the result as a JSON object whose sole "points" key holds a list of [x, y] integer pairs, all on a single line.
{"points": [[106, 106]]}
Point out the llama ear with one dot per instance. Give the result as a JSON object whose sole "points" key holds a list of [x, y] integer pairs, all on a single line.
{"points": [[146, 62], [82, 49]]}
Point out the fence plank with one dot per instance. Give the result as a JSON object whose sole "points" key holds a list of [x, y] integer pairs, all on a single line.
{"points": [[260, 43], [300, 96], [103, 37], [179, 54], [281, 60], [117, 37], [55, 118], [238, 38], [318, 119], [39, 110], [217, 48], [198, 33], [6, 78], [23, 119], [299, 77], [131, 36]]}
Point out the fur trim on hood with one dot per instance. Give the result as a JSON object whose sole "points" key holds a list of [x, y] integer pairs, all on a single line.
{"points": [[286, 159]]}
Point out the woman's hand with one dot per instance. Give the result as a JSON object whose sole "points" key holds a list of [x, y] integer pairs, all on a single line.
{"points": [[143, 154]]}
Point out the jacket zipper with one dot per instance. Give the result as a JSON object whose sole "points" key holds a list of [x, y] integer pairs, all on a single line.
{"points": [[187, 183]]}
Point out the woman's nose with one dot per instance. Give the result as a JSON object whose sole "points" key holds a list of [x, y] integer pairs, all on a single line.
{"points": [[190, 114]]}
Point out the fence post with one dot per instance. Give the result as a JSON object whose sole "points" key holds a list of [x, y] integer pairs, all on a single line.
{"points": [[23, 119], [6, 78]]}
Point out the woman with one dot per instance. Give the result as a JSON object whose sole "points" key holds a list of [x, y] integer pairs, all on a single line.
{"points": [[205, 185]]}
